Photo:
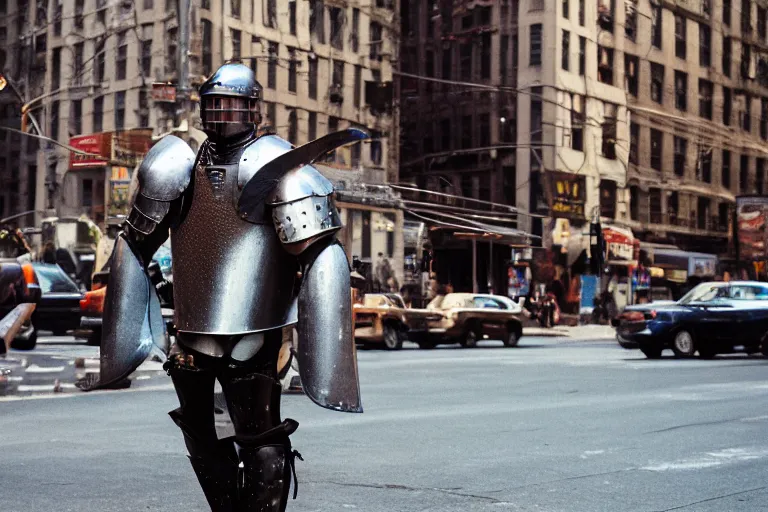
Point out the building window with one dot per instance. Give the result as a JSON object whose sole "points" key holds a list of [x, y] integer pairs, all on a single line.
{"points": [[143, 109], [271, 15], [577, 122], [746, 17], [746, 115], [657, 83], [146, 58], [631, 71], [727, 106], [761, 13], [292, 69], [274, 49], [503, 58], [705, 41], [727, 12], [56, 69], [358, 85], [119, 111], [760, 175], [446, 64], [608, 199], [375, 41], [376, 153], [705, 99], [171, 53], [744, 174], [722, 216], [725, 173], [630, 19], [605, 65], [680, 36], [121, 63], [55, 106], [535, 45], [312, 126], [485, 130], [634, 203], [656, 27], [272, 117], [100, 65], [317, 21], [746, 60], [98, 114], [536, 116], [634, 141], [727, 56], [609, 131], [292, 17], [764, 118], [337, 27], [582, 17], [654, 205], [466, 132], [681, 147], [566, 9], [485, 56], [582, 55], [293, 127], [445, 134], [79, 8], [207, 47], [704, 168], [312, 79], [702, 211], [337, 80], [56, 17], [76, 116], [234, 6], [465, 61], [236, 44], [657, 141], [566, 50], [681, 90], [77, 73], [353, 37]]}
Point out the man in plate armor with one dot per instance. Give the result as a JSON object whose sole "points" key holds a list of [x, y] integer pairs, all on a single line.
{"points": [[254, 250]]}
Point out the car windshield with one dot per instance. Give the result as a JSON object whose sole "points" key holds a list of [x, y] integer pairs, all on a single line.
{"points": [[486, 303], [53, 280], [705, 292]]}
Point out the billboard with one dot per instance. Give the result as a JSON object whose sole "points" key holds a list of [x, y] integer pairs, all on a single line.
{"points": [[567, 195], [751, 217], [96, 144]]}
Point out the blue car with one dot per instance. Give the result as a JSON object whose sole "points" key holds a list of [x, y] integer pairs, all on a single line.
{"points": [[713, 318]]}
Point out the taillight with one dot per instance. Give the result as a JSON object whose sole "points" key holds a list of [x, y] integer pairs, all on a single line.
{"points": [[93, 302], [29, 273], [650, 315]]}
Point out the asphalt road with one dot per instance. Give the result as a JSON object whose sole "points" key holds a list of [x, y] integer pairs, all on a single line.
{"points": [[553, 425]]}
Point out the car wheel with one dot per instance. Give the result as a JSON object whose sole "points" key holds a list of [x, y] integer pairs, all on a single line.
{"points": [[392, 338], [683, 345], [25, 343], [512, 337], [651, 352], [469, 340]]}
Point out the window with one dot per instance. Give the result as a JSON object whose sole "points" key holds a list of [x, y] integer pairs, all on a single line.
{"points": [[722, 216], [87, 193], [764, 118], [609, 131], [317, 21], [234, 6], [673, 207], [705, 41], [577, 122], [581, 13], [337, 27], [143, 109], [746, 17], [312, 78], [634, 203], [146, 58], [375, 39], [760, 175], [76, 116], [77, 75], [485, 130], [630, 19], [274, 49], [704, 169], [582, 55], [207, 47], [566, 9], [503, 58], [56, 69], [293, 127], [446, 63], [681, 90], [608, 199], [654, 204], [358, 86], [57, 17], [338, 73], [119, 110], [727, 106], [98, 114], [55, 106], [631, 71], [121, 64], [744, 174], [746, 115], [236, 44], [376, 153], [445, 134], [485, 56], [292, 17], [79, 8], [727, 56], [705, 99], [727, 12], [272, 116], [271, 16], [761, 13], [657, 83], [171, 53], [702, 212], [465, 61], [312, 126], [681, 148], [100, 65], [634, 142], [725, 172], [680, 36], [466, 132], [746, 60], [536, 115], [566, 49], [535, 44], [656, 25], [657, 140], [605, 65]]}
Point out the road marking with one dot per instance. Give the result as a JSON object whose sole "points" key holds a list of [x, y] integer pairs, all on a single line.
{"points": [[710, 460], [33, 368], [46, 396]]}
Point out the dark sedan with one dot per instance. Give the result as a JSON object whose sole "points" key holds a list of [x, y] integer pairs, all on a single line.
{"points": [[713, 318], [59, 307]]}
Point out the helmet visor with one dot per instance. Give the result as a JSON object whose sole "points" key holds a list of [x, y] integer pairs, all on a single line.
{"points": [[226, 109]]}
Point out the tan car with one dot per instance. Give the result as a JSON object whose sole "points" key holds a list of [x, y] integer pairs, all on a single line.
{"points": [[467, 318], [383, 318]]}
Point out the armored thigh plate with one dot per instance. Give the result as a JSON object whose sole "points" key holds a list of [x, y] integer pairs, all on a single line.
{"points": [[230, 276]]}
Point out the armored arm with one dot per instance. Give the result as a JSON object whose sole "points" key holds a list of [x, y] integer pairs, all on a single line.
{"points": [[132, 322]]}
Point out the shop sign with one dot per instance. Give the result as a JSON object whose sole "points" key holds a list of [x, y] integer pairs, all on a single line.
{"points": [[751, 219], [567, 195], [164, 92], [96, 144], [119, 185], [620, 244], [703, 266]]}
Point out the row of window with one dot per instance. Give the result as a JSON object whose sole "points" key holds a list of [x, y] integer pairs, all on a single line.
{"points": [[650, 208]]}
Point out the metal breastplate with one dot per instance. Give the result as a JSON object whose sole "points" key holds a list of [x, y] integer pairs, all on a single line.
{"points": [[230, 276]]}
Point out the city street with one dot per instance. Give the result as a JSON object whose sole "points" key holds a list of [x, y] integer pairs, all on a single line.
{"points": [[557, 424]]}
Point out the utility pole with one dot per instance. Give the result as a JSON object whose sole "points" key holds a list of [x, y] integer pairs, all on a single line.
{"points": [[182, 88]]}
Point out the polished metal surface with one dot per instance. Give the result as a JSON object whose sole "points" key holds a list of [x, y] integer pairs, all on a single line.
{"points": [[232, 79], [230, 276], [306, 218], [165, 172], [127, 332], [326, 352], [258, 153], [271, 172], [300, 183]]}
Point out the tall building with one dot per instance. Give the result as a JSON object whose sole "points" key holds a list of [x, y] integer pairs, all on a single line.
{"points": [[106, 75]]}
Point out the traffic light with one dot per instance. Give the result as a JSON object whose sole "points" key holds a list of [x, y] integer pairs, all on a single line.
{"points": [[596, 247]]}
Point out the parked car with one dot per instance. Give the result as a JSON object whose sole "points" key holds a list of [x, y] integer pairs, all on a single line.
{"points": [[713, 318], [59, 308], [383, 318], [467, 318], [18, 285]]}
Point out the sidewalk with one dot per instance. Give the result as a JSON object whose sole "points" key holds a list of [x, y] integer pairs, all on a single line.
{"points": [[579, 332]]}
